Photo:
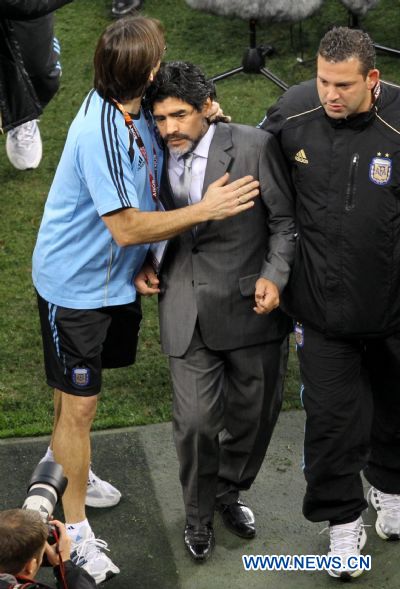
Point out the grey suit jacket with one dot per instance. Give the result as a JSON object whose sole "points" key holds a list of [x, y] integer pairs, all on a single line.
{"points": [[210, 275]]}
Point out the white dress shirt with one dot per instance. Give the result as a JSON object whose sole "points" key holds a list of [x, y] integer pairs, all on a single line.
{"points": [[199, 164]]}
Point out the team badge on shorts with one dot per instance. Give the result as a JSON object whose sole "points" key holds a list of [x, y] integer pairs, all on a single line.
{"points": [[380, 170], [81, 376], [299, 335]]}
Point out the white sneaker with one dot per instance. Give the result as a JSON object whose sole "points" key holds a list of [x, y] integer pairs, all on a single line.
{"points": [[24, 146], [387, 508], [346, 540], [100, 493], [86, 552]]}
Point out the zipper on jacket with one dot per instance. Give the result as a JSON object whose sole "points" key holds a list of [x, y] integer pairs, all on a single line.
{"points": [[351, 183]]}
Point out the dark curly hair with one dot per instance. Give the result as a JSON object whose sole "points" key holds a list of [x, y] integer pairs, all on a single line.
{"points": [[342, 43], [183, 80]]}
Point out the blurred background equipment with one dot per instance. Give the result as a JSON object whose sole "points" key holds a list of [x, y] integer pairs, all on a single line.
{"points": [[122, 8], [359, 8], [253, 61]]}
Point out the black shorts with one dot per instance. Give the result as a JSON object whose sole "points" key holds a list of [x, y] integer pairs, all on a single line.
{"points": [[77, 344]]}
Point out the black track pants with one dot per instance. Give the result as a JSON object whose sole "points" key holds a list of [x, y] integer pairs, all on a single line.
{"points": [[352, 401], [40, 55]]}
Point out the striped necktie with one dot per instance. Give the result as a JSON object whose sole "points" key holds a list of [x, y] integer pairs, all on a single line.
{"points": [[182, 188]]}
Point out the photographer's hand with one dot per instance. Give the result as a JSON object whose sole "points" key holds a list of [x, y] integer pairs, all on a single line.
{"points": [[62, 549]]}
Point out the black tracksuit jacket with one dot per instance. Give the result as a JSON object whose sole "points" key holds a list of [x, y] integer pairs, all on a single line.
{"points": [[346, 275], [18, 100]]}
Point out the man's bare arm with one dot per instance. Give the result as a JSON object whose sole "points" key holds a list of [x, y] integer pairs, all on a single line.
{"points": [[222, 200]]}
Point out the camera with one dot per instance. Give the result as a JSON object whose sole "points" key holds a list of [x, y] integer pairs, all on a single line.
{"points": [[46, 487]]}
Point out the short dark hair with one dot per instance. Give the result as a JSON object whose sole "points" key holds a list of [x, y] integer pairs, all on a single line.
{"points": [[126, 53], [183, 80], [22, 537], [343, 43]]}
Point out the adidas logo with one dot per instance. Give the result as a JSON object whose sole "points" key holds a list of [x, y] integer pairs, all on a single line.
{"points": [[301, 157], [140, 163]]}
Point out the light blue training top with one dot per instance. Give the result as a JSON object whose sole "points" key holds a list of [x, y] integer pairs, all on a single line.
{"points": [[76, 262]]}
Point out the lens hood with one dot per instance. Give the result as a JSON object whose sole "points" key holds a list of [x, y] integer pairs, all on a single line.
{"points": [[50, 473]]}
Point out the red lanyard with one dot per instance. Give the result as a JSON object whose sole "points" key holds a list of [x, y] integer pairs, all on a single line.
{"points": [[376, 92], [134, 133]]}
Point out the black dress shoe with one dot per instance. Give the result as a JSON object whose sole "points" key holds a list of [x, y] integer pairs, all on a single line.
{"points": [[238, 518], [199, 541]]}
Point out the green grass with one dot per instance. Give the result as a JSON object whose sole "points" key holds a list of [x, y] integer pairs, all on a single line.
{"points": [[140, 394]]}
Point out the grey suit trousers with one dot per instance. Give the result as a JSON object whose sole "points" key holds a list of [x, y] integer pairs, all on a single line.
{"points": [[225, 407]]}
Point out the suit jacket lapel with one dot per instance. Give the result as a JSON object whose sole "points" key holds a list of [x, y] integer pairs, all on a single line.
{"points": [[218, 159], [218, 163]]}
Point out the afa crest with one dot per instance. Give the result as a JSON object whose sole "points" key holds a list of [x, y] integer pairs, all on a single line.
{"points": [[380, 170], [299, 335], [81, 376]]}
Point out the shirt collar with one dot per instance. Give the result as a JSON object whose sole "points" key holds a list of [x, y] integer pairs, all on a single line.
{"points": [[201, 149], [203, 146]]}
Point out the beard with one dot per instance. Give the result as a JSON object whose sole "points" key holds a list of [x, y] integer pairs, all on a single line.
{"points": [[180, 150]]}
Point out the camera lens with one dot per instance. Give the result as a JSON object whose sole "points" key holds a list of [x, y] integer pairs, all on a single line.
{"points": [[45, 488]]}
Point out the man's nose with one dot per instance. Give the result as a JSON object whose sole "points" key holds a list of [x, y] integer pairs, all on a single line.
{"points": [[171, 125], [332, 94]]}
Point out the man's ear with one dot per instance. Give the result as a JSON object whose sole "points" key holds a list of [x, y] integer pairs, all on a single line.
{"points": [[207, 108], [30, 568], [372, 78]]}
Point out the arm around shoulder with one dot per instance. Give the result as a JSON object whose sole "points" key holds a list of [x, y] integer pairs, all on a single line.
{"points": [[131, 226]]}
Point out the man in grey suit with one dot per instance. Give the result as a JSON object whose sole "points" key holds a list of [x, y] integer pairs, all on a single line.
{"points": [[219, 288]]}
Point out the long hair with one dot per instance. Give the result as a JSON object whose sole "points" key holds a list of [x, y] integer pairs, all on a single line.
{"points": [[125, 55]]}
